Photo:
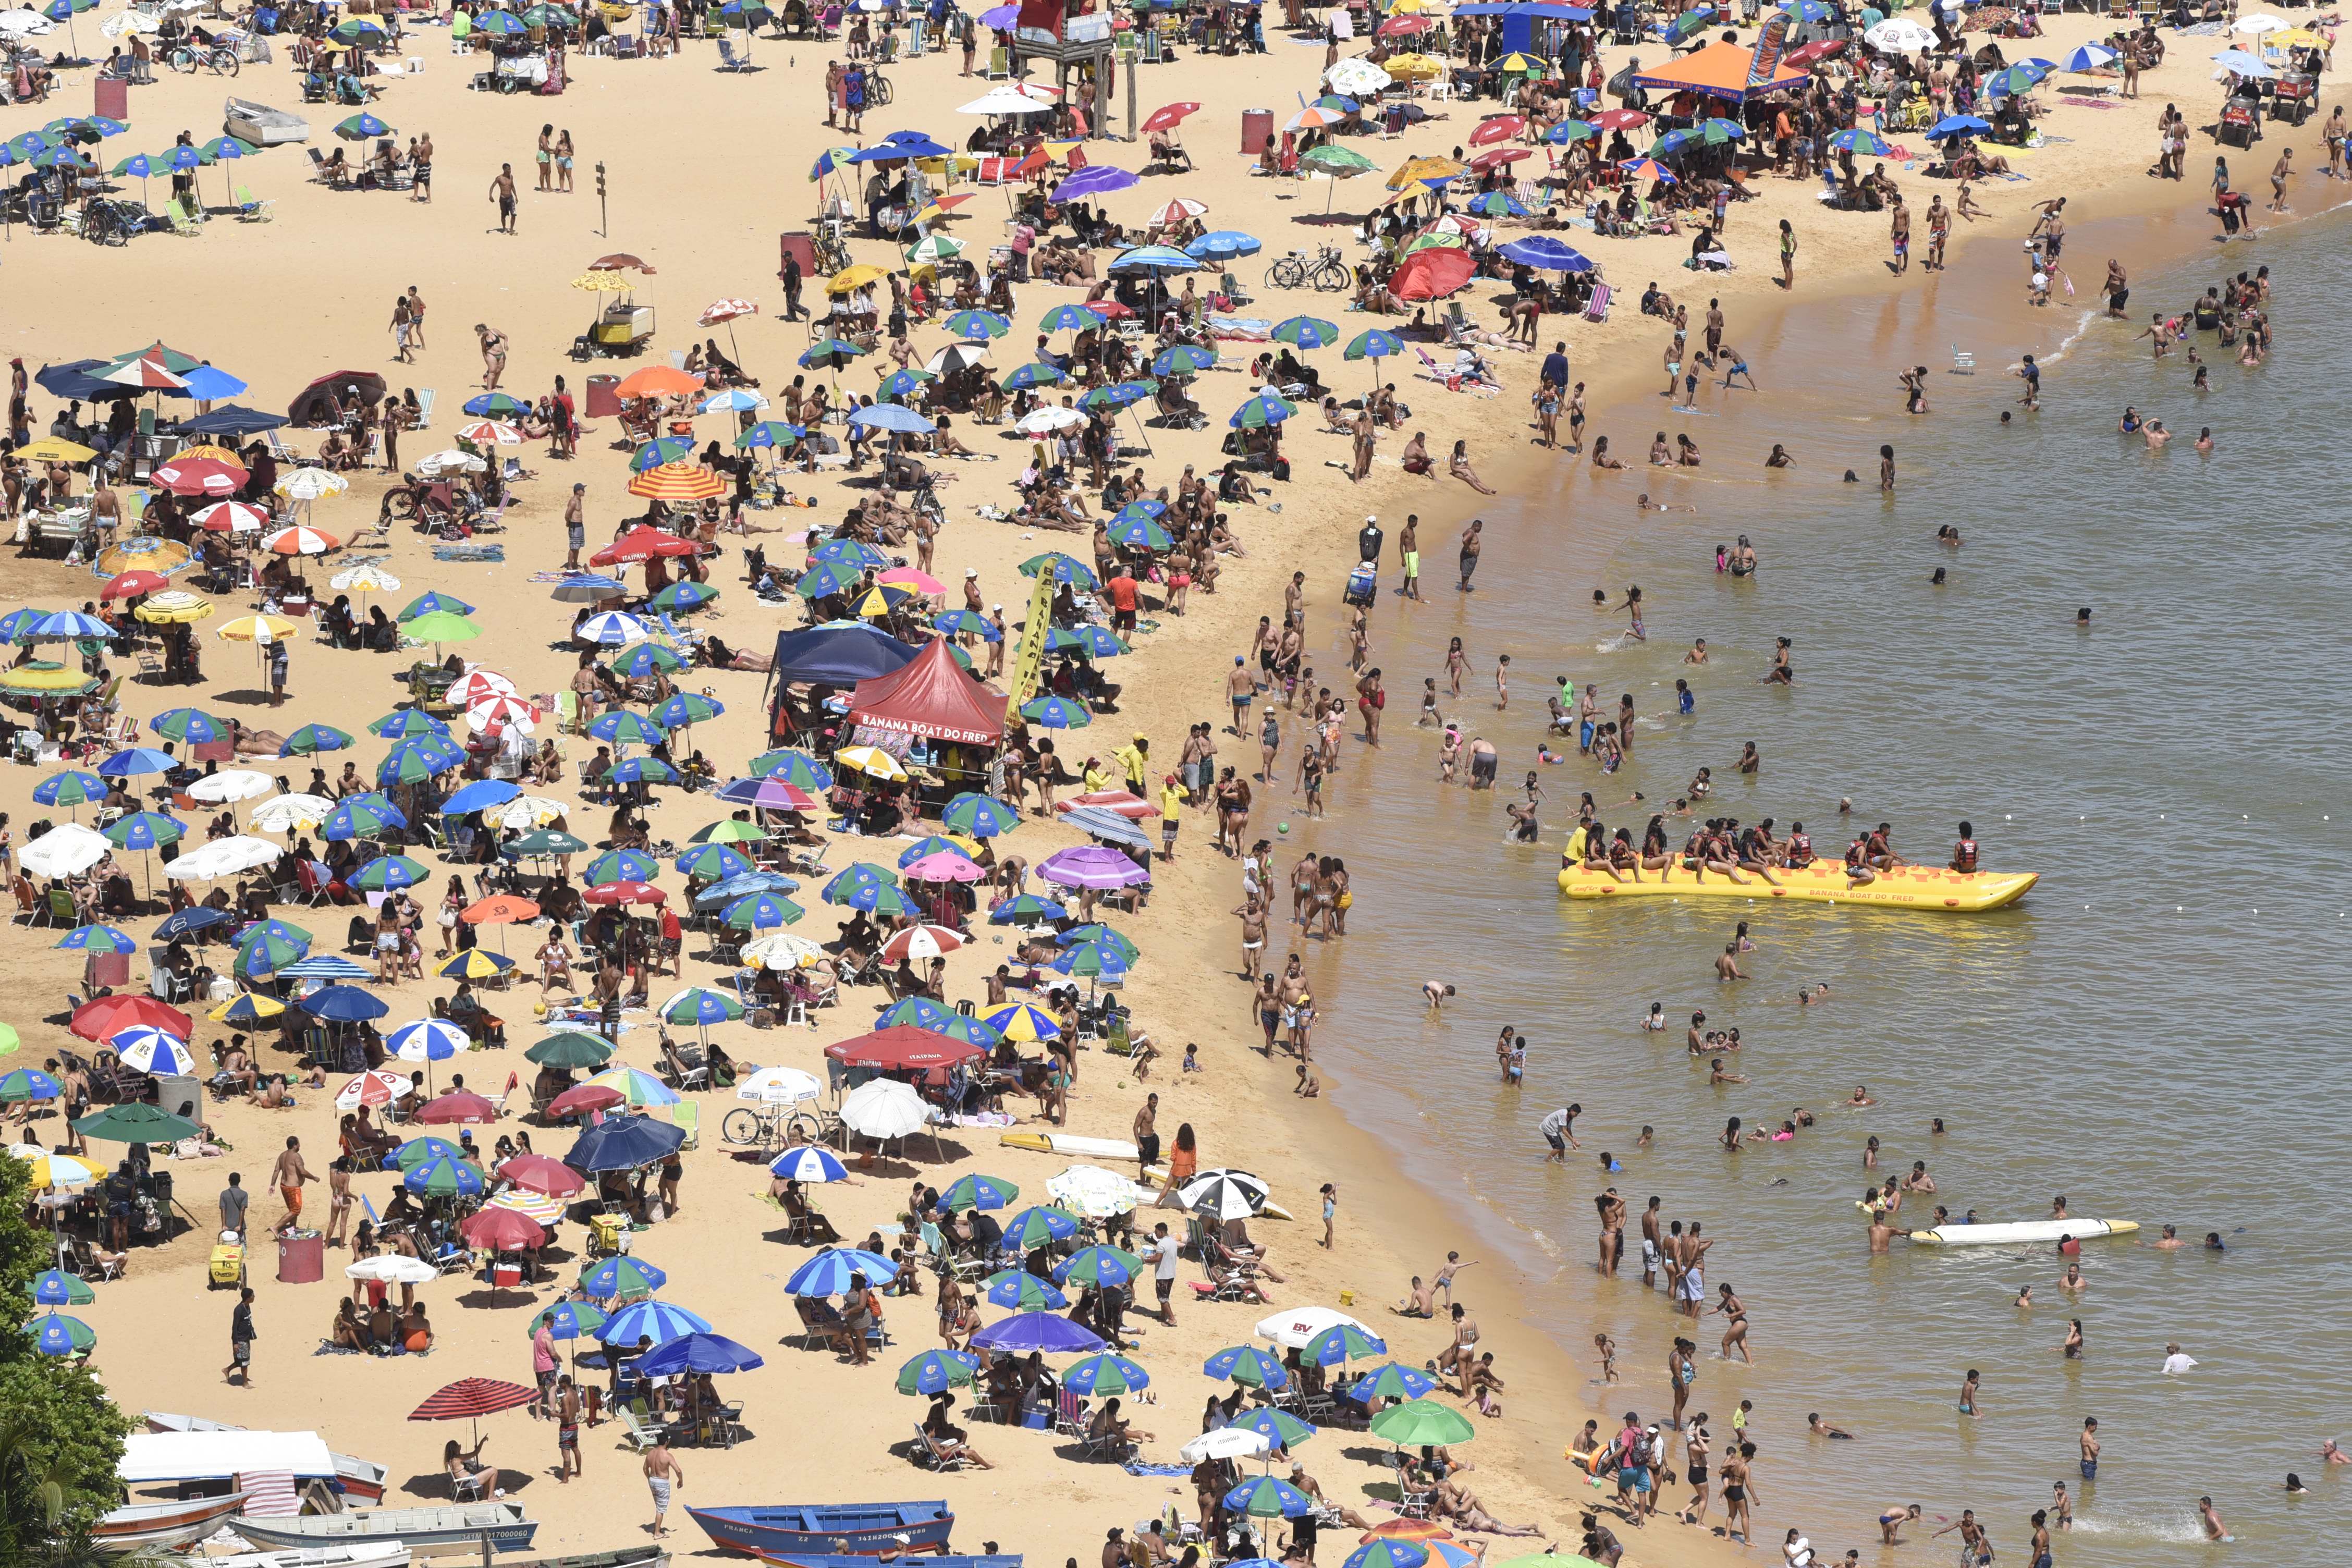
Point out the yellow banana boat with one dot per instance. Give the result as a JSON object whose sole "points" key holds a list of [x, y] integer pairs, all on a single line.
{"points": [[1823, 881]]}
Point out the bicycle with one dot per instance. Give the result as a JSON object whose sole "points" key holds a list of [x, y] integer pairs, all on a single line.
{"points": [[112, 223], [769, 1125], [185, 57], [878, 89], [1327, 273]]}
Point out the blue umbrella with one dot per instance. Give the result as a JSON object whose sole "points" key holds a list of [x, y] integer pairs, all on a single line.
{"points": [[587, 589], [697, 1352], [1546, 254], [976, 325], [1394, 1381], [1069, 317], [1019, 1288], [722, 893], [828, 1272], [1107, 1265], [194, 919], [1037, 373], [135, 761], [1861, 142], [622, 866], [656, 1320], [1045, 1331], [1246, 1364], [427, 604], [1154, 258], [480, 795], [604, 1281], [99, 938], [643, 770], [69, 788], [892, 416], [342, 1004], [623, 1144], [428, 1039], [1224, 244], [981, 815], [54, 1334], [808, 1164], [970, 623], [1054, 713], [55, 1287], [1958, 125]]}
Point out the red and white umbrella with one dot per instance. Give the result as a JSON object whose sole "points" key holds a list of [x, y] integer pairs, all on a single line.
{"points": [[232, 517], [921, 942], [1169, 116], [200, 476], [146, 371], [625, 893], [376, 1087], [720, 310], [1176, 212], [1497, 128], [130, 585], [489, 433], [502, 712], [458, 1106], [478, 686], [300, 542]]}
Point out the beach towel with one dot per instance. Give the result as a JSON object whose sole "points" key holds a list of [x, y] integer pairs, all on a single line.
{"points": [[1138, 1468], [270, 1494], [490, 554], [1251, 329]]}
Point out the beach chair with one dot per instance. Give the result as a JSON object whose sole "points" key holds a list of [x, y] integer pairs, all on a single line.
{"points": [[928, 1454], [1596, 306], [1069, 1413], [1000, 63], [686, 1117], [1964, 361], [251, 210], [642, 1428], [186, 216], [424, 398], [726, 60], [1105, 1445]]}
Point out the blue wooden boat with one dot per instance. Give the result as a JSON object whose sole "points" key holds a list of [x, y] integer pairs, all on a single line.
{"points": [[808, 1560], [822, 1531]]}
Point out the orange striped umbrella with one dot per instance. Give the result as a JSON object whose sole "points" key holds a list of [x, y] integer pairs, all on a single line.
{"points": [[678, 481], [659, 381], [1407, 1530]]}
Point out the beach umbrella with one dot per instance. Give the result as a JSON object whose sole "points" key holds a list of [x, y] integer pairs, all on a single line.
{"points": [[1341, 1342], [697, 1352], [1263, 1496], [189, 921], [378, 1087], [1184, 358], [660, 1321], [1024, 1291], [1037, 373], [56, 1334], [622, 866], [571, 1049], [443, 1178], [99, 938], [828, 1272], [1265, 409], [1861, 144], [1387, 1552], [136, 1123], [314, 738], [475, 963], [470, 1399], [980, 815], [1045, 1331], [323, 966], [1054, 713], [978, 1191], [636, 1087], [417, 1151], [55, 1287], [1228, 1443], [1024, 908], [457, 1108], [25, 1085], [1100, 1266], [808, 1164], [151, 1050], [1040, 1226], [412, 761], [699, 1006], [936, 1371], [1394, 1381], [1306, 333], [1248, 1365], [569, 1320], [69, 788], [978, 324], [622, 1279], [1420, 1422]]}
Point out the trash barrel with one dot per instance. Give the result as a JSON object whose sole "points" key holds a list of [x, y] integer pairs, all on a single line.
{"points": [[1257, 125], [111, 97], [603, 400], [302, 1257]]}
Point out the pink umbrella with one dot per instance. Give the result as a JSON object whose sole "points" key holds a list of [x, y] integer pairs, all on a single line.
{"points": [[586, 1098], [908, 577], [458, 1106], [945, 866], [544, 1174], [922, 941], [502, 1230]]}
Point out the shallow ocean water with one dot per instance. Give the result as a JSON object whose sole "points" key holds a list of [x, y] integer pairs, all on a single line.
{"points": [[2158, 1031]]}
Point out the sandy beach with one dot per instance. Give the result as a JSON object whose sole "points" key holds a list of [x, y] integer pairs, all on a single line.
{"points": [[705, 169]]}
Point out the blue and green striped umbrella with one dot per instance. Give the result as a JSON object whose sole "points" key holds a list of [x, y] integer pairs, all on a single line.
{"points": [[919, 1012], [192, 725], [900, 384], [1139, 532], [1266, 408], [1078, 936], [1248, 1366], [795, 768], [56, 1288], [980, 815], [643, 770], [437, 602], [1306, 332], [442, 1177], [1064, 568], [1263, 1496], [70, 788], [769, 433], [762, 911], [622, 866], [1023, 1291], [54, 1333], [1024, 908], [1041, 1225], [712, 863], [312, 739], [569, 1320], [827, 353], [414, 761], [1054, 713], [645, 658], [976, 325], [390, 873], [700, 1004], [687, 708], [1377, 343], [362, 817], [1341, 1342], [936, 1371], [856, 875], [687, 595], [144, 830], [1069, 317], [1278, 1427], [622, 1279], [1102, 1375], [625, 727], [1184, 358], [978, 1191], [654, 454], [1095, 642], [99, 938], [1109, 1266], [1037, 373]]}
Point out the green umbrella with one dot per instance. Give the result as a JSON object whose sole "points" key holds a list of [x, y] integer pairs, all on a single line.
{"points": [[1388, 1383], [1027, 1293], [690, 708], [728, 832], [629, 1282], [1036, 1227], [180, 721], [418, 1150], [264, 951], [1087, 1267], [136, 1123], [440, 627], [1287, 1430], [571, 1049], [546, 841], [643, 655], [389, 873], [83, 1337], [77, 1293], [1420, 1422], [1263, 1496], [1103, 936], [978, 1191]]}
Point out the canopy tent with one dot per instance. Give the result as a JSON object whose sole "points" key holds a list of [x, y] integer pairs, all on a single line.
{"points": [[152, 1458], [1733, 72], [930, 697], [903, 1047], [838, 655]]}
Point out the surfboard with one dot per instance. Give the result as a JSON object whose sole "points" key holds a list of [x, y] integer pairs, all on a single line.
{"points": [[1075, 1147], [1823, 881], [2023, 1232]]}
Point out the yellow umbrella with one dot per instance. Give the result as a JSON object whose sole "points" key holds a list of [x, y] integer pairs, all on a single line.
{"points": [[44, 679], [50, 450], [530, 1205], [858, 276], [1414, 8], [871, 760], [1512, 62], [678, 481], [365, 579], [58, 1169], [213, 449], [144, 553], [173, 606], [602, 283], [262, 1007], [255, 628], [2297, 38], [1415, 170], [962, 162], [1412, 68]]}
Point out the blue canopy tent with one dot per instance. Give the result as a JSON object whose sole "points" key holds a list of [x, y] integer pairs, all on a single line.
{"points": [[1520, 22], [836, 654]]}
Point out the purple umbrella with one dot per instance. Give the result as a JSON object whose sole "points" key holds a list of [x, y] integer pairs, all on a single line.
{"points": [[1094, 180], [1092, 866], [1000, 18], [1047, 1332]]}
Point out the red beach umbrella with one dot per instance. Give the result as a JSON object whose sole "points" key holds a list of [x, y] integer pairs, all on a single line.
{"points": [[200, 476], [1500, 127], [470, 1399], [232, 517], [1494, 157], [625, 893], [544, 1174], [502, 1230], [642, 543], [1169, 116], [1432, 274], [583, 1098], [1619, 118], [1412, 23], [459, 1107], [922, 941], [130, 585], [110, 1016]]}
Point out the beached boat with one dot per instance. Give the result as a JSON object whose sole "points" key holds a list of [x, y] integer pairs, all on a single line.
{"points": [[842, 1530], [1823, 881], [145, 1526], [806, 1560], [360, 1480], [2024, 1232], [425, 1532], [262, 126], [362, 1554]]}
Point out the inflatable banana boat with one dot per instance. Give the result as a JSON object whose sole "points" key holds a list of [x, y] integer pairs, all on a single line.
{"points": [[1823, 881]]}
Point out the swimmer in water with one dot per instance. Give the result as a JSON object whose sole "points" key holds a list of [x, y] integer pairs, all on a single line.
{"points": [[1820, 1429], [2024, 1298], [1643, 503], [1892, 1519], [2211, 1521], [1861, 1098]]}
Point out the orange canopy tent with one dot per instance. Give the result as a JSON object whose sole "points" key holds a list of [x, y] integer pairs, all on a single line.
{"points": [[1727, 72]]}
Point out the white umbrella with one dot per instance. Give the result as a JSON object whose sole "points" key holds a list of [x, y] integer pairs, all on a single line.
{"points": [[223, 857], [1093, 1193], [1225, 1443], [1356, 76], [780, 950], [1221, 1198], [1293, 1329], [365, 579], [393, 1269], [288, 813], [525, 811], [451, 461], [779, 1086], [1901, 35], [65, 850], [1046, 420], [2260, 23], [1258, 1188], [956, 357], [116, 26], [25, 24], [885, 1108], [1012, 98], [237, 784], [312, 484], [503, 712], [66, 1170], [353, 1095]]}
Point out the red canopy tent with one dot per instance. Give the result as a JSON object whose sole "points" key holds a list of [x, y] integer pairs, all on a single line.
{"points": [[903, 1047], [930, 696]]}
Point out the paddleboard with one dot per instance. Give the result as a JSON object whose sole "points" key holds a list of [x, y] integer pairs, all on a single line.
{"points": [[1157, 1175], [2025, 1231], [1823, 881], [1076, 1147]]}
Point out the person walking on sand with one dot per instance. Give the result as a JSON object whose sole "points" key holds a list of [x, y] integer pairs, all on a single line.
{"points": [[240, 1340], [1788, 255], [663, 1473], [415, 318], [1330, 1211], [502, 191], [567, 1429], [400, 329], [290, 1173], [494, 355], [575, 526]]}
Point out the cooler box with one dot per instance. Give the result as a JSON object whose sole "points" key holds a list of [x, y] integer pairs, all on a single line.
{"points": [[506, 1274], [110, 97], [1257, 125], [302, 1257], [603, 402], [226, 1265]]}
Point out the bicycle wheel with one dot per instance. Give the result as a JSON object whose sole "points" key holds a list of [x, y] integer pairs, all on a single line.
{"points": [[877, 89], [225, 62], [741, 1126], [1286, 273], [180, 59], [1331, 278], [802, 1127]]}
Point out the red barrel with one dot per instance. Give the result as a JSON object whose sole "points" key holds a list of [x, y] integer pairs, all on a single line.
{"points": [[603, 401], [1257, 125], [302, 1257], [112, 97]]}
